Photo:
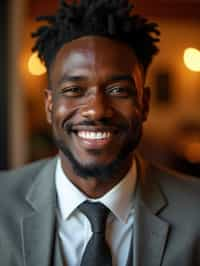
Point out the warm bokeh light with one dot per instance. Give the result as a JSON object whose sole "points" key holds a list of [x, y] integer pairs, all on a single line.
{"points": [[35, 66], [192, 152], [192, 59]]}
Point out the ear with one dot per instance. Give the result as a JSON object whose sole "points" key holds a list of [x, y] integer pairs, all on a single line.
{"points": [[146, 101], [48, 104]]}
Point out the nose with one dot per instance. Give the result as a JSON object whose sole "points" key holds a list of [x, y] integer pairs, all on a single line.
{"points": [[97, 107]]}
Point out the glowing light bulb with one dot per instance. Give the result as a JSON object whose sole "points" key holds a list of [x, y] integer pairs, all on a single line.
{"points": [[35, 66], [192, 59]]}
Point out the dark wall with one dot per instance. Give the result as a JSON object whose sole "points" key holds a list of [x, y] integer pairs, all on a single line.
{"points": [[3, 85]]}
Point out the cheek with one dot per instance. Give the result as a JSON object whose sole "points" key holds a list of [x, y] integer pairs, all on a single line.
{"points": [[61, 112], [131, 111], [135, 121], [137, 116]]}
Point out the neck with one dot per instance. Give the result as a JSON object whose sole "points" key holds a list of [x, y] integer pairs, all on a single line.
{"points": [[94, 187]]}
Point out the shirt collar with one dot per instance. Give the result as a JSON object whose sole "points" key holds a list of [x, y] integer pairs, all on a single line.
{"points": [[119, 199], [67, 193]]}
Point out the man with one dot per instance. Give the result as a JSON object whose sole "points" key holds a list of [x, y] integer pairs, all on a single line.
{"points": [[97, 54]]}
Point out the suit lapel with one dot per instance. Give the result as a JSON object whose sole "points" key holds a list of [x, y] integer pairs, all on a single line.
{"points": [[150, 232], [39, 235], [39, 225]]}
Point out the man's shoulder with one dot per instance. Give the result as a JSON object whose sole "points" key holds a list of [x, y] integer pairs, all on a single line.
{"points": [[15, 184], [25, 169], [22, 175], [181, 191], [176, 180]]}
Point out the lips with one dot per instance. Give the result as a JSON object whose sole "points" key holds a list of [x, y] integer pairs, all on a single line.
{"points": [[92, 138]]}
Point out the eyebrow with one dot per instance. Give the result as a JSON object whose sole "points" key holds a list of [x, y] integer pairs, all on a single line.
{"points": [[121, 77], [67, 78]]}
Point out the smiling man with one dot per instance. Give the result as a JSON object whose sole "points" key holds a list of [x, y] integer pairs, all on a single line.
{"points": [[97, 203], [96, 106]]}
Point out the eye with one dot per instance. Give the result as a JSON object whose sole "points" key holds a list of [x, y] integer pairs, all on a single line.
{"points": [[72, 91], [120, 91]]}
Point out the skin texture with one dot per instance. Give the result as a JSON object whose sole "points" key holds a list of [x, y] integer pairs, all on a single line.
{"points": [[96, 85]]}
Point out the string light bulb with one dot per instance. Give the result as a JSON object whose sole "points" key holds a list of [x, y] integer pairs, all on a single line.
{"points": [[192, 59], [35, 66]]}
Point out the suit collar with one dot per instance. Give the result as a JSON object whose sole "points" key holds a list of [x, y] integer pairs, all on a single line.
{"points": [[42, 191], [150, 232], [148, 190]]}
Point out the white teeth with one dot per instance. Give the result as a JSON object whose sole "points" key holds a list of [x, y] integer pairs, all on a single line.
{"points": [[94, 135]]}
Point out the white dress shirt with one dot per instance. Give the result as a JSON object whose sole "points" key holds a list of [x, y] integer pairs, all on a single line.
{"points": [[74, 227]]}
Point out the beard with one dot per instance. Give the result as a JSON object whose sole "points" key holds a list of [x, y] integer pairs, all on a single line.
{"points": [[102, 172]]}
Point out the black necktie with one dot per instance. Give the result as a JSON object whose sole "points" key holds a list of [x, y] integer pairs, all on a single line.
{"points": [[97, 252]]}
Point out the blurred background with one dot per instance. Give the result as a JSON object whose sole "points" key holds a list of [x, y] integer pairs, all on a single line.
{"points": [[172, 133]]}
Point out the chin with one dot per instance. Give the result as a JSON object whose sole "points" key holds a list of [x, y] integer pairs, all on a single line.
{"points": [[98, 169], [97, 164]]}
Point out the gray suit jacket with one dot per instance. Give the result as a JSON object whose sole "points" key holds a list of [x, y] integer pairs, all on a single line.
{"points": [[166, 229]]}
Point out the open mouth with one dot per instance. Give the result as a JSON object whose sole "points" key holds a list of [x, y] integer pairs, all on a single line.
{"points": [[95, 138]]}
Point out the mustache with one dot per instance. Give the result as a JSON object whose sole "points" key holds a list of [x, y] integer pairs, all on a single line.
{"points": [[122, 125]]}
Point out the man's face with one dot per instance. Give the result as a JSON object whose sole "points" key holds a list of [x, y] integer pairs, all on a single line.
{"points": [[96, 104]]}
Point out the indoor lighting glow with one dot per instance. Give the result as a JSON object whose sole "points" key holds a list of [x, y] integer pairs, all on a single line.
{"points": [[192, 59], [35, 66]]}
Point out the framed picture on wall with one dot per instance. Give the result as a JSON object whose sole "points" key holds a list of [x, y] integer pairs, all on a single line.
{"points": [[163, 93]]}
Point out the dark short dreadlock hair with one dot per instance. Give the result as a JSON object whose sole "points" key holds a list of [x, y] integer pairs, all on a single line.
{"points": [[106, 18]]}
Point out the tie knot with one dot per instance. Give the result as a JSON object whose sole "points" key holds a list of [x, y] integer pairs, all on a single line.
{"points": [[97, 214]]}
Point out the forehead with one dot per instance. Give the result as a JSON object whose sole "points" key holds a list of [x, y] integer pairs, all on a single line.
{"points": [[96, 55]]}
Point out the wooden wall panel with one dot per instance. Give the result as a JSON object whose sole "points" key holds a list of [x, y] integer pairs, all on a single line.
{"points": [[4, 87]]}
